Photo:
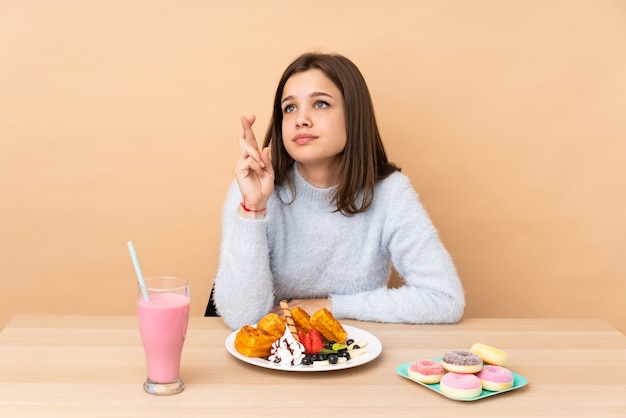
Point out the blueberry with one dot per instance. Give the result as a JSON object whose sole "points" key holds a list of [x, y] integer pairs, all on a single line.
{"points": [[333, 358], [350, 342]]}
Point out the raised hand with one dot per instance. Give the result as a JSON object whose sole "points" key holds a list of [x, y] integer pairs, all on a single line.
{"points": [[253, 172]]}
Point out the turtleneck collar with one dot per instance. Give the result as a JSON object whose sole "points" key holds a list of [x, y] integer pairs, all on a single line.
{"points": [[321, 198]]}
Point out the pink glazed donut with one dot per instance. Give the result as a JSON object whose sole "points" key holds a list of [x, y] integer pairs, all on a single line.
{"points": [[426, 371], [460, 385], [495, 378]]}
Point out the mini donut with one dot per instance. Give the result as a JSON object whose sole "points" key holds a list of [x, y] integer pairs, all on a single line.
{"points": [[490, 355], [461, 361], [460, 385], [426, 371], [495, 378]]}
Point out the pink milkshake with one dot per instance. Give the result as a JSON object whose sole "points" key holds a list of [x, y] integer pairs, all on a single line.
{"points": [[163, 322]]}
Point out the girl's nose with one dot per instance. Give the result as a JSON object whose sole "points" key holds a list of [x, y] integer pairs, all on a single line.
{"points": [[303, 120]]}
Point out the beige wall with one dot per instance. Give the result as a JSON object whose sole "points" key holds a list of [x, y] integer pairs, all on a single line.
{"points": [[119, 119]]}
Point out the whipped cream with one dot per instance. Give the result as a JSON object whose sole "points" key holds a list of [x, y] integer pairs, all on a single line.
{"points": [[286, 350]]}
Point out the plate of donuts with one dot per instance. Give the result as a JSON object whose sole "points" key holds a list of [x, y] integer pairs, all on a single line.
{"points": [[518, 382], [462, 375]]}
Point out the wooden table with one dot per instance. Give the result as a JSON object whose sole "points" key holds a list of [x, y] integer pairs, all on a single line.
{"points": [[86, 366]]}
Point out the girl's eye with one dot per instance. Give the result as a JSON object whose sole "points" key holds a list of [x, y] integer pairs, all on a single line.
{"points": [[289, 108], [321, 105]]}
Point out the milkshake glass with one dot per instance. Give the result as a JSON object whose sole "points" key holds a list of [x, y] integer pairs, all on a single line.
{"points": [[163, 319]]}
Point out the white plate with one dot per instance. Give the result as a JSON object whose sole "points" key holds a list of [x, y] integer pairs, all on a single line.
{"points": [[374, 348]]}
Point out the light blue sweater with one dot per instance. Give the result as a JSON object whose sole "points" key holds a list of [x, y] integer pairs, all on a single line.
{"points": [[305, 250]]}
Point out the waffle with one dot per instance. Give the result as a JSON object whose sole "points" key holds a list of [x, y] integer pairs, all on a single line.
{"points": [[257, 341], [302, 319], [328, 326]]}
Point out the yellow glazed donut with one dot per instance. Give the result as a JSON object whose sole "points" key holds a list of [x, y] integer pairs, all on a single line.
{"points": [[490, 355]]}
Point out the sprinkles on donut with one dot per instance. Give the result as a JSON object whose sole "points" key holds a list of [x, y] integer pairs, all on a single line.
{"points": [[461, 361], [426, 371], [495, 378]]}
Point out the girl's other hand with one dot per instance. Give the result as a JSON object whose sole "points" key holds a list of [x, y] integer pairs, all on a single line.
{"points": [[309, 305]]}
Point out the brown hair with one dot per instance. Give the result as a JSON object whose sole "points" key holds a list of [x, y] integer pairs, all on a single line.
{"points": [[364, 160]]}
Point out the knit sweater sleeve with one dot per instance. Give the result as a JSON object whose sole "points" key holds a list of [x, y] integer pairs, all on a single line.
{"points": [[432, 292], [243, 284]]}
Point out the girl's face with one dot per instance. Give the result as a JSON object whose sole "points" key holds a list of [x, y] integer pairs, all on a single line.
{"points": [[314, 126]]}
